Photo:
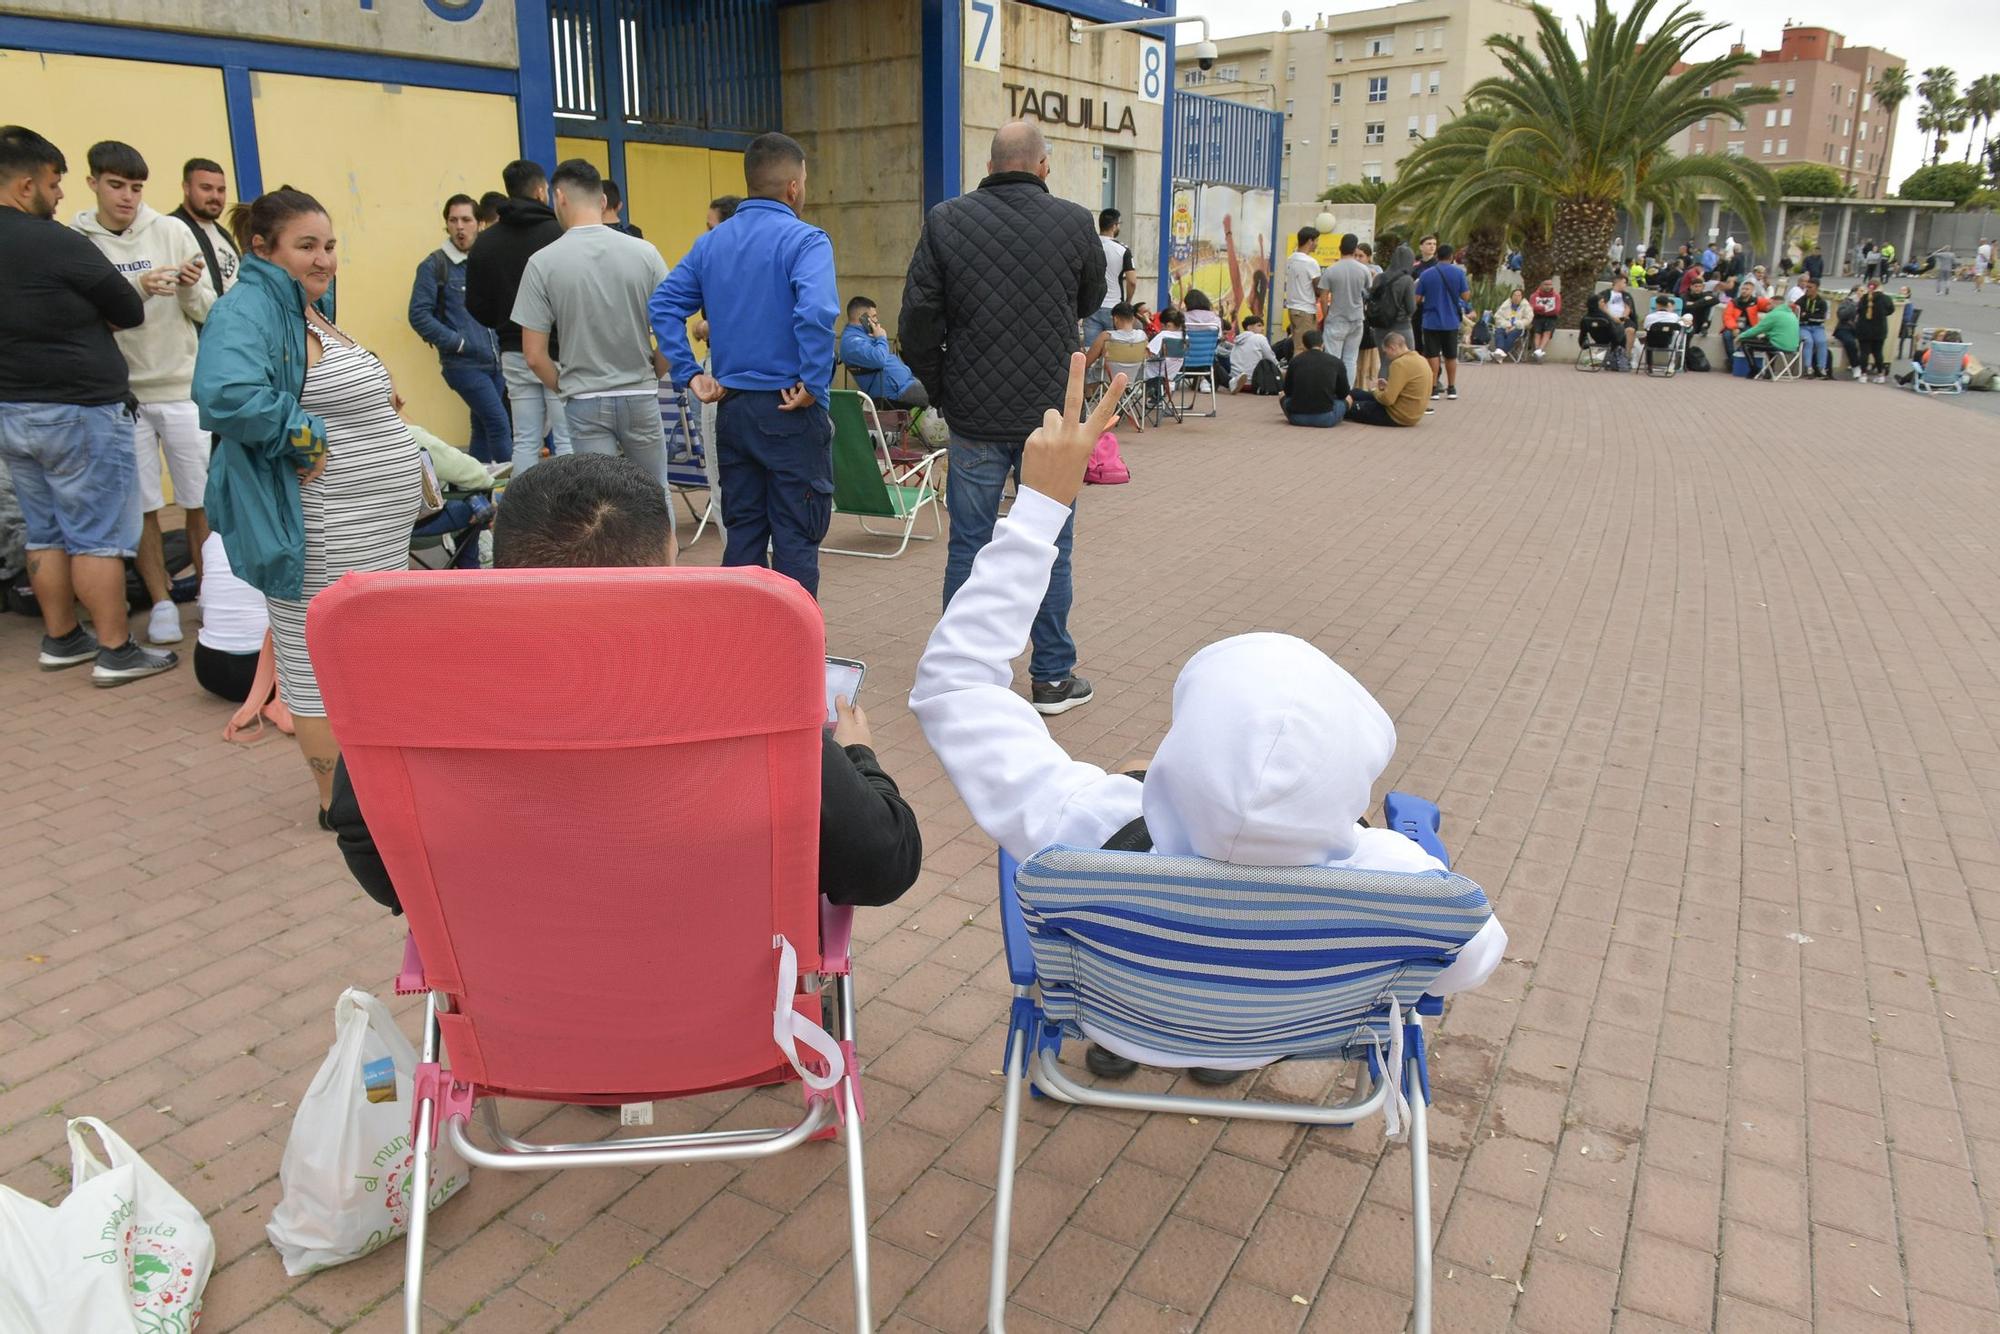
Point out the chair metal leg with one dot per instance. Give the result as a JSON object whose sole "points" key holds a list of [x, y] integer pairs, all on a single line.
{"points": [[857, 1177], [420, 1187], [1420, 1200], [1003, 1186]]}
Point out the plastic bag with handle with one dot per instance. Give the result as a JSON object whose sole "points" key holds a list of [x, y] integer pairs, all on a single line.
{"points": [[348, 1164], [172, 1247]]}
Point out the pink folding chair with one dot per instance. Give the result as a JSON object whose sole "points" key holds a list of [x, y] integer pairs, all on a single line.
{"points": [[612, 882]]}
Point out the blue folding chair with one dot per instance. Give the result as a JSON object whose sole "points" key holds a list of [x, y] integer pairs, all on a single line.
{"points": [[1203, 961], [687, 456], [1198, 372]]}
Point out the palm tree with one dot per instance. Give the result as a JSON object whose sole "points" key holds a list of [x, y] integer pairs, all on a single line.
{"points": [[1982, 104], [1939, 89], [1418, 200], [1568, 139], [1892, 89]]}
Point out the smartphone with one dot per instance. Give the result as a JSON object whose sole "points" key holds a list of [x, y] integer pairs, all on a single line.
{"points": [[843, 681]]}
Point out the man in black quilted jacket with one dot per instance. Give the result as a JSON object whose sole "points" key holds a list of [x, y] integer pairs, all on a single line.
{"points": [[990, 308]]}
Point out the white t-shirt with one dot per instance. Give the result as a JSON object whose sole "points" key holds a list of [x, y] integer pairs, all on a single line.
{"points": [[1616, 305], [1171, 365], [234, 616], [1117, 259], [1301, 281]]}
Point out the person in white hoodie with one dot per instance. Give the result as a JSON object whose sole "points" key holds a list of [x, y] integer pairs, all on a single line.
{"points": [[1270, 760], [161, 258]]}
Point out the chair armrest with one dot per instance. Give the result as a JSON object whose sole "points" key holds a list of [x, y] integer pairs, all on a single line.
{"points": [[1416, 819], [410, 981], [1013, 928], [836, 935]]}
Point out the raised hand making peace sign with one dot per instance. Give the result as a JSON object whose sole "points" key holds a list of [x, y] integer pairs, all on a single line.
{"points": [[1056, 454]]}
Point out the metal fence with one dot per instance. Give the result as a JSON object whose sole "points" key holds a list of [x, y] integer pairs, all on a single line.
{"points": [[1220, 142]]}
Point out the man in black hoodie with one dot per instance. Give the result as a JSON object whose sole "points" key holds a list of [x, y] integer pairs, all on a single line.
{"points": [[492, 279]]}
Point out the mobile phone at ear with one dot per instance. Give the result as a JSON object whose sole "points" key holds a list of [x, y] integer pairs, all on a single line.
{"points": [[843, 681]]}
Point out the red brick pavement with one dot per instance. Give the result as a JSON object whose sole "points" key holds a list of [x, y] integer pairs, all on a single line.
{"points": [[1706, 680]]}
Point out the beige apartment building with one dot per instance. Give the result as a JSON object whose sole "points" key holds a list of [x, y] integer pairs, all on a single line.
{"points": [[1825, 114], [1360, 90]]}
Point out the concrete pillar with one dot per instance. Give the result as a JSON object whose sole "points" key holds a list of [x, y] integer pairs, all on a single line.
{"points": [[1777, 240], [1909, 235], [1711, 218], [1646, 228], [1840, 246]]}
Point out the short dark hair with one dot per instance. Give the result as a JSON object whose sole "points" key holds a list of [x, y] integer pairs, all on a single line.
{"points": [[1107, 219], [23, 151], [582, 511], [1307, 236], [456, 200], [488, 207], [770, 161], [1445, 251], [1663, 303], [1427, 236], [1173, 317], [613, 196], [1249, 320], [1313, 338], [1349, 243], [195, 164], [855, 303], [110, 157], [521, 177], [725, 206], [577, 176], [1123, 311]]}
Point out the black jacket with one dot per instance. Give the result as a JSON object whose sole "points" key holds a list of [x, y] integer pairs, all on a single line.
{"points": [[498, 259], [1872, 312], [870, 849], [998, 282], [1314, 382]]}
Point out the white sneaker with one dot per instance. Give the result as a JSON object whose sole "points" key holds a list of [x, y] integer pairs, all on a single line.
{"points": [[164, 625]]}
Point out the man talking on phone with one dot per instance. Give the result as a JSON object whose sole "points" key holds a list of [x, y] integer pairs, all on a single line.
{"points": [[597, 511]]}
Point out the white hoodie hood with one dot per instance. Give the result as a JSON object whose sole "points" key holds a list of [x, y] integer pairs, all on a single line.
{"points": [[1272, 757], [160, 352]]}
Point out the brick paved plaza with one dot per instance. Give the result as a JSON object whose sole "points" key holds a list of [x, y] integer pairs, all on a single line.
{"points": [[1705, 677]]}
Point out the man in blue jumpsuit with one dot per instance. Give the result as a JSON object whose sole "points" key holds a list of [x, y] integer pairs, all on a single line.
{"points": [[765, 279]]}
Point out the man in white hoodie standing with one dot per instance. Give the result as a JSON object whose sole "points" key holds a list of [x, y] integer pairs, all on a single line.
{"points": [[1271, 758], [161, 258]]}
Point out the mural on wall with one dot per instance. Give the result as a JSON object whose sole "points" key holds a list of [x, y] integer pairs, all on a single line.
{"points": [[1227, 252]]}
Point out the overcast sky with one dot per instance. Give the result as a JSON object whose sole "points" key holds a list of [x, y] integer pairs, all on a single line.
{"points": [[1961, 39]]}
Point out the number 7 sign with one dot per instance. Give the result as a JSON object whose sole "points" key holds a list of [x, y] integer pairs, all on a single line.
{"points": [[982, 34]]}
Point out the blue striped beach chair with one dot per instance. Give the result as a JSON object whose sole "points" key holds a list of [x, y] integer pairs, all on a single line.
{"points": [[1206, 961], [687, 456]]}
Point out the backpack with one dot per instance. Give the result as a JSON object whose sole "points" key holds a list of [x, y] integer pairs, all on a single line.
{"points": [[1378, 308], [1694, 359], [1106, 466], [1264, 379]]}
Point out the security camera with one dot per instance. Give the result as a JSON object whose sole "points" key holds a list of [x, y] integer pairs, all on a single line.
{"points": [[1204, 54]]}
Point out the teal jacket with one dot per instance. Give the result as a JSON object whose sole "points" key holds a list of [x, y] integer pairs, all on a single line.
{"points": [[247, 380]]}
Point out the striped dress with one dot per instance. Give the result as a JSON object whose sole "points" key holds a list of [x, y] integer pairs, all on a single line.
{"points": [[359, 511]]}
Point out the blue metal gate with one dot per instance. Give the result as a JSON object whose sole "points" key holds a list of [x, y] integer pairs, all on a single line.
{"points": [[666, 71]]}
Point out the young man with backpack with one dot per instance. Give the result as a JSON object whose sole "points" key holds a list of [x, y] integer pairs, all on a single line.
{"points": [[1444, 291], [1249, 357]]}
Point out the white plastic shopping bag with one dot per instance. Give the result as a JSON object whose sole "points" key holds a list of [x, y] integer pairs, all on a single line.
{"points": [[172, 1247], [348, 1164]]}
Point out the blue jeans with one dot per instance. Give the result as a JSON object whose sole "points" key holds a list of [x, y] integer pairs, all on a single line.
{"points": [[627, 424], [972, 497], [1504, 340], [486, 394], [537, 412], [1312, 418], [1095, 323], [777, 482], [75, 474], [1818, 356]]}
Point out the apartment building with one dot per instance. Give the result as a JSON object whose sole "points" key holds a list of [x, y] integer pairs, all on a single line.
{"points": [[1360, 90], [1825, 114]]}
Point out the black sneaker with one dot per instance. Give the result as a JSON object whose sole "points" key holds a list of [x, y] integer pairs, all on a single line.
{"points": [[1452, 393], [129, 662], [1436, 393], [1107, 1064], [1053, 697], [72, 650]]}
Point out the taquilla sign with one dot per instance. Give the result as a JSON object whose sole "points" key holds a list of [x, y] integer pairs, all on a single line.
{"points": [[1053, 106]]}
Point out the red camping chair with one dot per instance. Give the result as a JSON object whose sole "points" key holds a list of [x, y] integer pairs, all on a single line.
{"points": [[648, 926]]}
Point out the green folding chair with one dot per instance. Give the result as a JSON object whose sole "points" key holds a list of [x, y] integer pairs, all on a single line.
{"points": [[867, 484]]}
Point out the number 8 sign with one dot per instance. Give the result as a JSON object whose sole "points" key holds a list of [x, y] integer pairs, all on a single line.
{"points": [[1152, 70]]}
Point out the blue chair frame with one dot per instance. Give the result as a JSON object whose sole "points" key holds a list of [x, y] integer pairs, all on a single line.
{"points": [[680, 422], [1034, 1042]]}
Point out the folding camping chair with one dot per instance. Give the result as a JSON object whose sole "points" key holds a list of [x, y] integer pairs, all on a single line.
{"points": [[578, 951], [1250, 962], [687, 456], [1776, 365], [1132, 359], [1198, 372], [1160, 402], [1663, 351], [867, 483], [1942, 371]]}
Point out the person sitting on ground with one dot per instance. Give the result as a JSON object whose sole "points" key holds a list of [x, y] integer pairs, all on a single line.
{"points": [[1740, 316], [234, 624], [1249, 348], [1402, 396], [1269, 760], [1124, 330], [878, 372], [1547, 303], [1777, 331], [1512, 319], [1316, 387], [600, 511]]}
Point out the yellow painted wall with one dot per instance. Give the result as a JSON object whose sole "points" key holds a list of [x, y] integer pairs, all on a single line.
{"points": [[594, 151], [77, 100], [383, 158]]}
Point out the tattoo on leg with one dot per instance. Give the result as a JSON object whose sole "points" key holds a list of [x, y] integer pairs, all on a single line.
{"points": [[320, 766], [34, 563]]}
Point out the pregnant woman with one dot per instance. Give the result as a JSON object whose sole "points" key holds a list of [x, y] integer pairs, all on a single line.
{"points": [[315, 475]]}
